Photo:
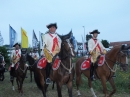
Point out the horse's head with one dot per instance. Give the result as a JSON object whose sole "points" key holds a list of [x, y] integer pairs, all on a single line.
{"points": [[66, 45], [122, 57], [1, 59], [23, 55], [116, 55]]}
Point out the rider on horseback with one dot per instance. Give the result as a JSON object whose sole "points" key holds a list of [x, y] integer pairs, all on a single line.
{"points": [[35, 54], [31, 53], [15, 57], [95, 48], [2, 60], [52, 46]]}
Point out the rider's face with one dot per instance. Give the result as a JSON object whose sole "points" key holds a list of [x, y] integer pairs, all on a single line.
{"points": [[52, 29], [95, 35], [17, 46]]}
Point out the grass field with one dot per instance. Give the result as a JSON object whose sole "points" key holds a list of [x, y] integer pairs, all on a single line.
{"points": [[122, 82]]}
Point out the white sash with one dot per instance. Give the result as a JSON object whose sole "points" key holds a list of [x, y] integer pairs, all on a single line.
{"points": [[95, 45]]}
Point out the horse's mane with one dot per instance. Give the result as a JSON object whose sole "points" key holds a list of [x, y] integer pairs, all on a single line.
{"points": [[30, 57]]}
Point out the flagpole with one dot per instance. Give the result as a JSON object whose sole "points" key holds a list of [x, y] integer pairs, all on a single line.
{"points": [[21, 37], [10, 43], [32, 39], [40, 40], [83, 44]]}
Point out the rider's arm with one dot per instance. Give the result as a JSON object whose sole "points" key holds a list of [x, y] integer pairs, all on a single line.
{"points": [[102, 47], [37, 55], [12, 54], [44, 40], [90, 47]]}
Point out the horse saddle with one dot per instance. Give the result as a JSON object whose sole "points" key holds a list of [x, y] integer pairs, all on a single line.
{"points": [[43, 62], [15, 66], [86, 63]]}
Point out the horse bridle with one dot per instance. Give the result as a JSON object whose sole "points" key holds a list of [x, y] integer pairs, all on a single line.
{"points": [[25, 54], [68, 55], [71, 47], [118, 61]]}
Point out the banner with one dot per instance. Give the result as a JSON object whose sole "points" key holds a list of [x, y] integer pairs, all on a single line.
{"points": [[41, 40], [34, 40], [24, 39], [12, 36], [1, 40]]}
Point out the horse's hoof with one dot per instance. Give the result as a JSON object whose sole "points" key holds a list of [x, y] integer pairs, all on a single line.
{"points": [[78, 93]]}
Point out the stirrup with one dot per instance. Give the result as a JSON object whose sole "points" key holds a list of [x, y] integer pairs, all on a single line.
{"points": [[114, 76], [48, 81], [11, 78], [92, 78]]}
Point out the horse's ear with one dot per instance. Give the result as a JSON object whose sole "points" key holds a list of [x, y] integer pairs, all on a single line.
{"points": [[24, 51], [59, 36], [128, 47], [68, 36], [123, 47]]}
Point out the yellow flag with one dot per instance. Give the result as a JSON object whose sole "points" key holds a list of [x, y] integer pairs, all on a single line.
{"points": [[24, 38]]}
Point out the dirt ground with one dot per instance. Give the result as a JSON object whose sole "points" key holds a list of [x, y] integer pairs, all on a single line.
{"points": [[31, 90]]}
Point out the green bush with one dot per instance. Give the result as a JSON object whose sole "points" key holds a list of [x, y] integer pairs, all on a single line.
{"points": [[4, 52]]}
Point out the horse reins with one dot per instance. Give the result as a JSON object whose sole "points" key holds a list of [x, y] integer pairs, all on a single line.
{"points": [[23, 70], [117, 63], [71, 66]]}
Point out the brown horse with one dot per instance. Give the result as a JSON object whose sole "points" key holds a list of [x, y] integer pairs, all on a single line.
{"points": [[2, 69], [64, 74], [105, 72], [20, 72], [31, 65]]}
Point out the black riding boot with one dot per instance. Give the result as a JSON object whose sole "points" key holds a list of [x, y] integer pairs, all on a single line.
{"points": [[48, 69], [11, 73], [91, 72]]}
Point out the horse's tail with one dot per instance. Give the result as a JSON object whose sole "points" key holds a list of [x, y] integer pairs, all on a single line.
{"points": [[78, 73], [38, 81], [36, 77]]}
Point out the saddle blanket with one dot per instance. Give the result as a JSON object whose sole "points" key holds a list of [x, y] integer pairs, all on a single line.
{"points": [[56, 64], [42, 63], [16, 66], [86, 64], [101, 60]]}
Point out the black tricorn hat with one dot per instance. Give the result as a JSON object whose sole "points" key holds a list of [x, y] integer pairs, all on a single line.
{"points": [[95, 31], [35, 49], [16, 44], [52, 24]]}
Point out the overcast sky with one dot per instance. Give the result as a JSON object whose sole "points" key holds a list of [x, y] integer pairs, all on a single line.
{"points": [[110, 17]]}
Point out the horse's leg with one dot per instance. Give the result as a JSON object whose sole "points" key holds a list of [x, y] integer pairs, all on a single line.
{"points": [[59, 89], [69, 85], [12, 81], [78, 81], [103, 81], [113, 86], [43, 85], [21, 85], [90, 86], [53, 85], [30, 75], [17, 84]]}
